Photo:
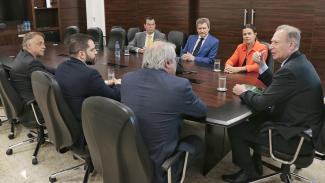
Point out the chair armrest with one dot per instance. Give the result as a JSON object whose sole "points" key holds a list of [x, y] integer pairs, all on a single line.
{"points": [[302, 138], [171, 160], [319, 155], [30, 102], [167, 165]]}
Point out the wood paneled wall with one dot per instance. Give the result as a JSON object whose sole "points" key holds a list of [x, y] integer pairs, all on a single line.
{"points": [[318, 40], [73, 12], [169, 14], [227, 20]]}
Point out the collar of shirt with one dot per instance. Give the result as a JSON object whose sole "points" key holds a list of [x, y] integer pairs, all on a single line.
{"points": [[73, 59], [198, 40], [147, 36], [282, 64], [253, 48], [153, 34]]}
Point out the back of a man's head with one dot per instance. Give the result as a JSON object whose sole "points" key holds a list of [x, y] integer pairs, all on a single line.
{"points": [[156, 55], [78, 42]]}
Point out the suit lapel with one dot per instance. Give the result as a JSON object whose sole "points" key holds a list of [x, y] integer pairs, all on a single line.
{"points": [[143, 39], [206, 42], [193, 43], [155, 37], [293, 56]]}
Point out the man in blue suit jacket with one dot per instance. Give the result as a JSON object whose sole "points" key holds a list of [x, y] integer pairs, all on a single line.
{"points": [[78, 81], [201, 48], [159, 100]]}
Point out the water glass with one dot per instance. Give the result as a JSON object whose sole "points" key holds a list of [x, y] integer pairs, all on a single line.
{"points": [[216, 67], [19, 28], [126, 52], [110, 74], [222, 83]]}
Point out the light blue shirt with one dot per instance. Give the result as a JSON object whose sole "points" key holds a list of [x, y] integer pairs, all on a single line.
{"points": [[263, 67]]}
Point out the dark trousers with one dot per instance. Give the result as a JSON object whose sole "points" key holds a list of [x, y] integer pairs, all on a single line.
{"points": [[251, 135], [191, 144], [28, 118]]}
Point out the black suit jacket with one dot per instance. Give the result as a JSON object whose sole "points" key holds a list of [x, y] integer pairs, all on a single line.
{"points": [[21, 71], [295, 95], [78, 81]]}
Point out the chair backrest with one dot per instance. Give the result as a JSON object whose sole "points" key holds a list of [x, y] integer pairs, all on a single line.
{"points": [[116, 148], [97, 34], [68, 31], [320, 144], [11, 101], [178, 38], [269, 59], [116, 34], [115, 26], [131, 33], [63, 129]]}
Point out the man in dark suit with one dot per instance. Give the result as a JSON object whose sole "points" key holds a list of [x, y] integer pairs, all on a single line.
{"points": [[78, 81], [160, 100], [295, 96], [24, 64], [144, 39], [201, 48]]}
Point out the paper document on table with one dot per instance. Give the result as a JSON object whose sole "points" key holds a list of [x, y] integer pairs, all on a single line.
{"points": [[253, 88]]}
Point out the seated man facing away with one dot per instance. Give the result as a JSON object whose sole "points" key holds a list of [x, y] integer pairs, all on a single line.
{"points": [[144, 39], [24, 64], [201, 48], [78, 81], [295, 94], [159, 100]]}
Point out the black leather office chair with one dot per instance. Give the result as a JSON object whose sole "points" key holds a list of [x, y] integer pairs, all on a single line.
{"points": [[97, 34], [178, 38], [63, 129], [16, 111], [68, 31], [116, 26], [5, 60], [320, 146], [300, 159], [116, 34], [115, 145], [269, 59], [131, 33]]}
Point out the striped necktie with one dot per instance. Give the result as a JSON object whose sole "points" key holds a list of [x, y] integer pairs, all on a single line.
{"points": [[198, 46], [149, 40]]}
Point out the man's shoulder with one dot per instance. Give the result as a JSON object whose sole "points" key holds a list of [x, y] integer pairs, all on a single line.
{"points": [[23, 58], [138, 34], [160, 34], [212, 38], [177, 81], [193, 36], [73, 66]]}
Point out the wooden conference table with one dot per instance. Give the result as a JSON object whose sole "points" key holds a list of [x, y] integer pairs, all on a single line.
{"points": [[225, 108]]}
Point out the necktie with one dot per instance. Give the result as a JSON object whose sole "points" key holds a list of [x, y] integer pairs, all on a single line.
{"points": [[198, 46], [149, 40]]}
